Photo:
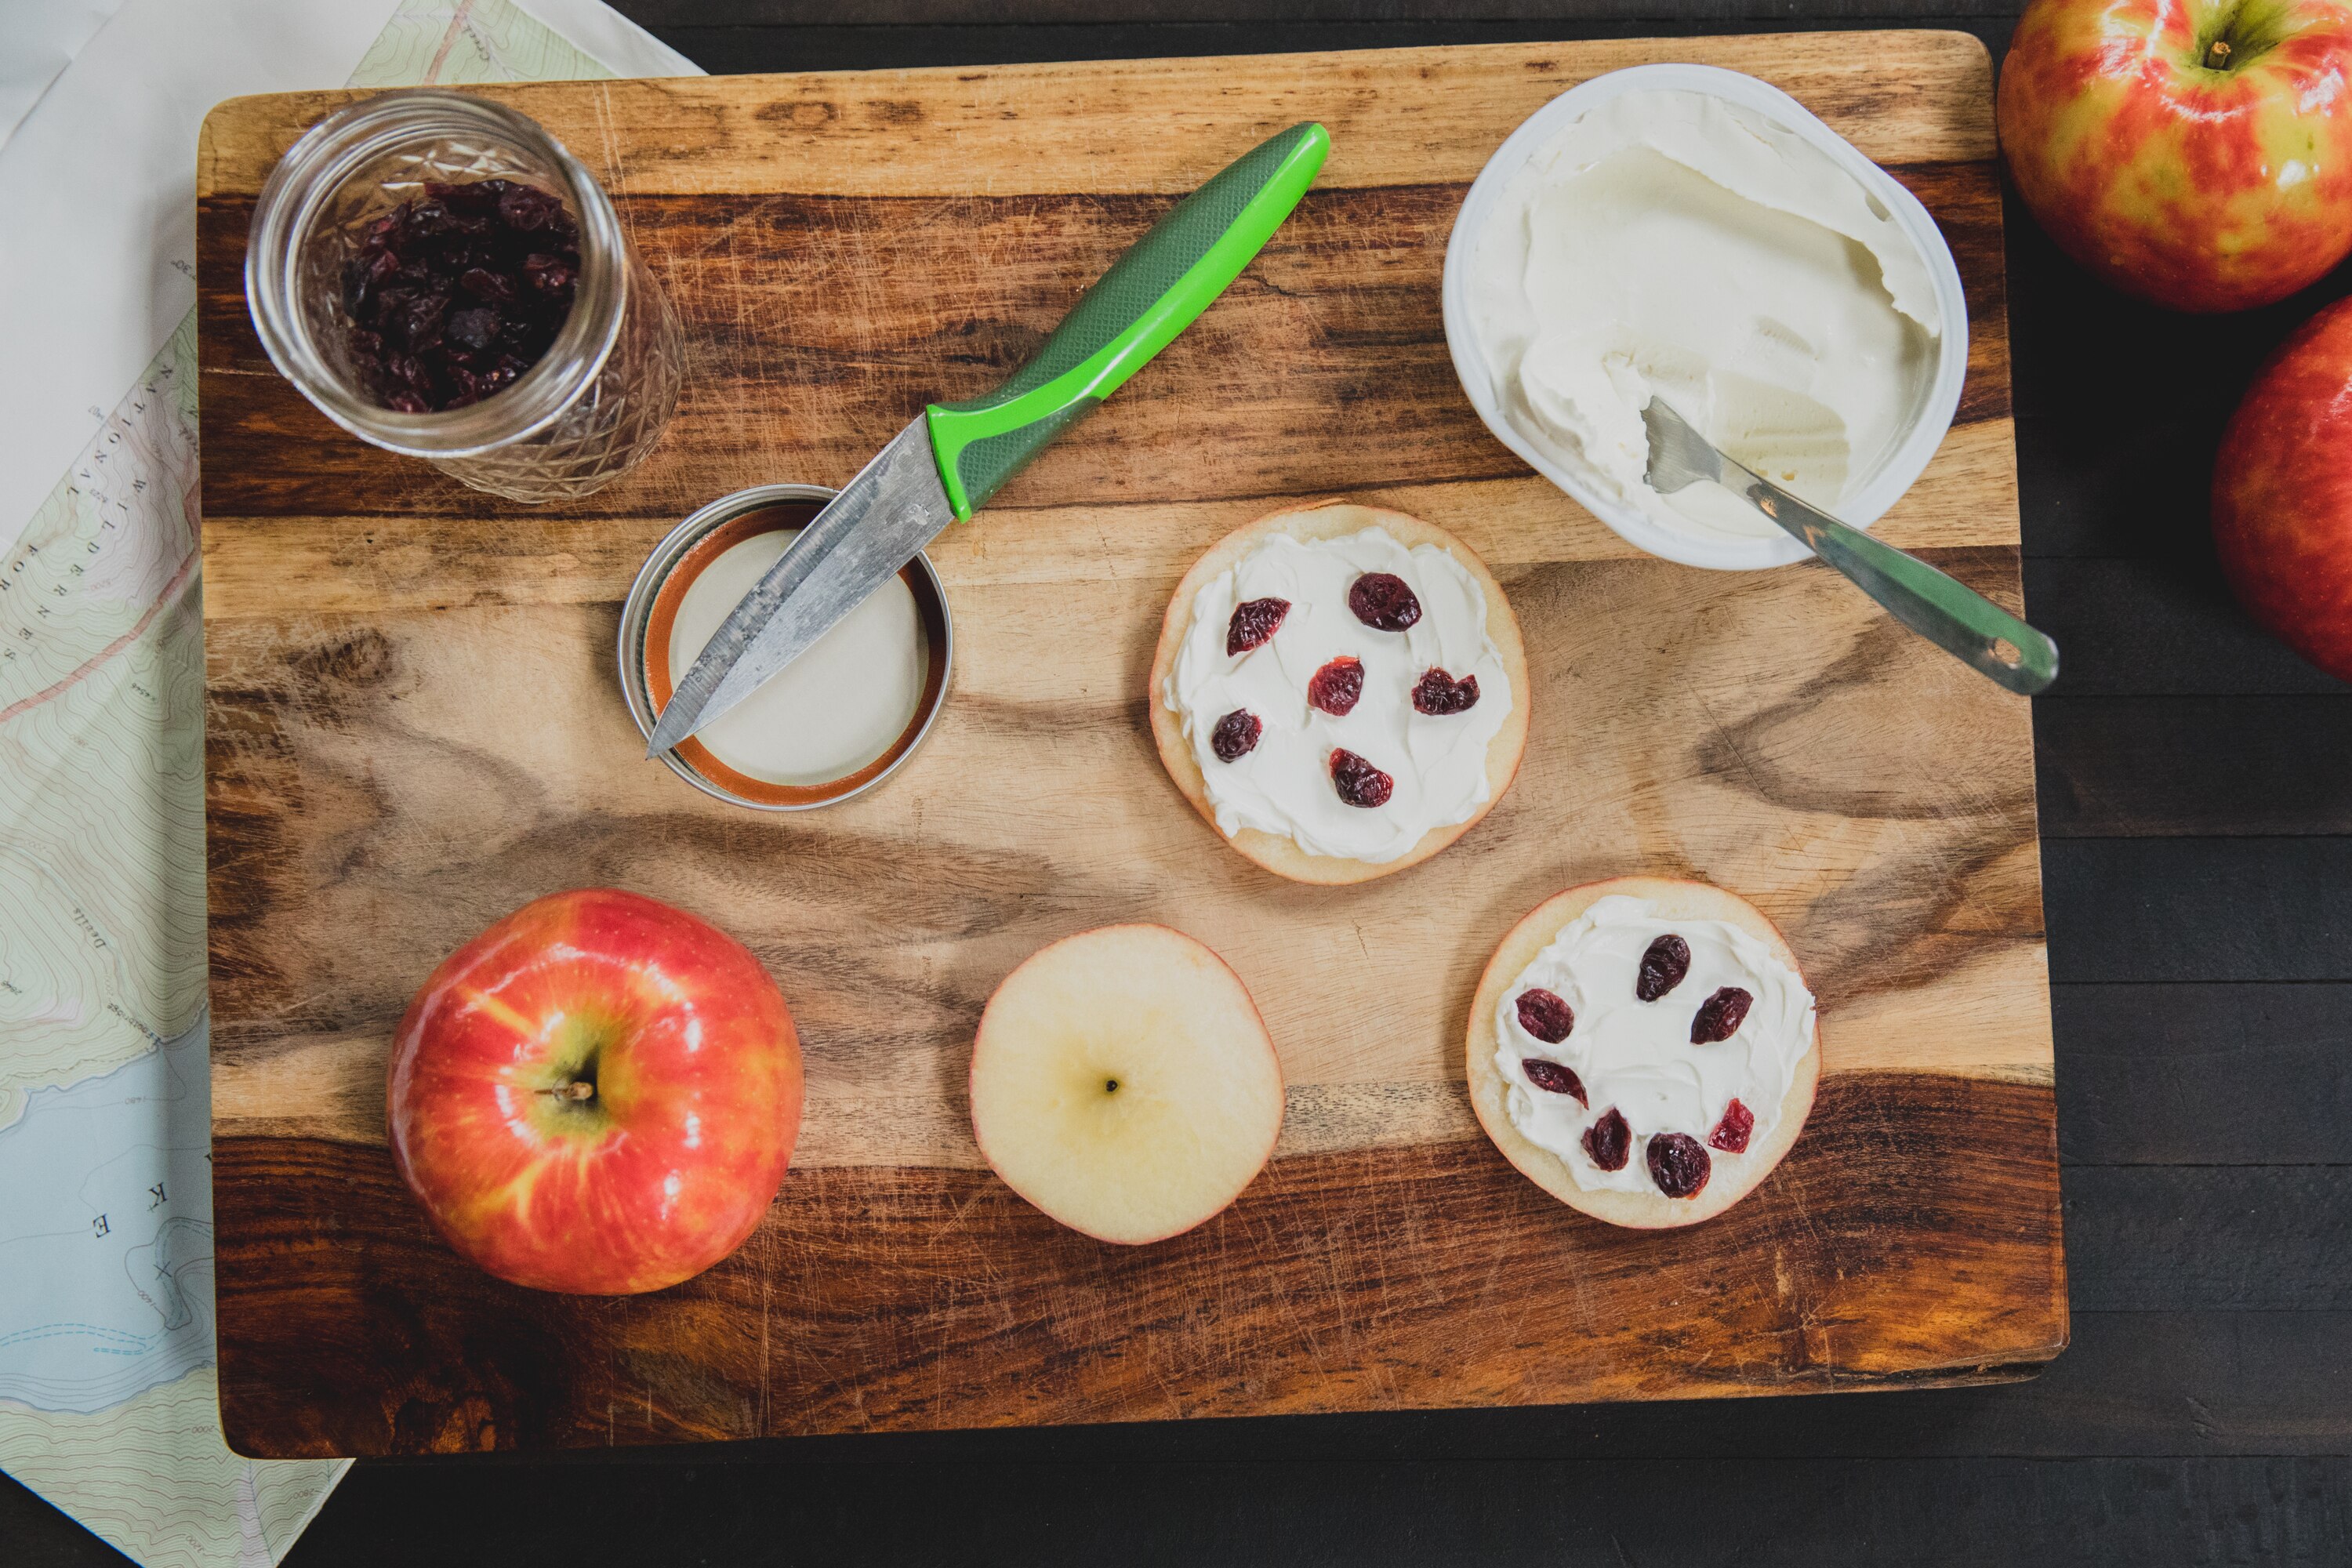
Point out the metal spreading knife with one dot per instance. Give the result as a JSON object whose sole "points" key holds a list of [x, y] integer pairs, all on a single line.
{"points": [[955, 455], [1944, 610]]}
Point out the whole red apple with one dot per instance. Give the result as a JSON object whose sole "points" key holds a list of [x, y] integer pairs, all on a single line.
{"points": [[2198, 154], [2283, 494], [597, 1095]]}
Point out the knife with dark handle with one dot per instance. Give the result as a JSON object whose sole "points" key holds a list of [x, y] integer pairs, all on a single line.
{"points": [[956, 456]]}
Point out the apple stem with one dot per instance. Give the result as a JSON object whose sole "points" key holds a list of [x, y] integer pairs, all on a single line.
{"points": [[578, 1089], [2217, 54]]}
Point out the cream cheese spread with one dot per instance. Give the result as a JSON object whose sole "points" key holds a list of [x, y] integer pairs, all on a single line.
{"points": [[1283, 785], [1670, 242], [1636, 1057]]}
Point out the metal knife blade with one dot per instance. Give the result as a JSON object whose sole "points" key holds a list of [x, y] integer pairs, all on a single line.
{"points": [[893, 508]]}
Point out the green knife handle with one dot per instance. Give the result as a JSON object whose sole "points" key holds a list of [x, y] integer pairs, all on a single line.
{"points": [[1151, 294]]}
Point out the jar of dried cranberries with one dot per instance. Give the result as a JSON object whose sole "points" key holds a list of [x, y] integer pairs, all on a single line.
{"points": [[441, 278]]}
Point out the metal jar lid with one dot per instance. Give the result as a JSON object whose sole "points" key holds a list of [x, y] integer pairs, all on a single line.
{"points": [[648, 602]]}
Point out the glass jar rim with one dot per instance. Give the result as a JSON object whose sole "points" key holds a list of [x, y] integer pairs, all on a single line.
{"points": [[284, 217]]}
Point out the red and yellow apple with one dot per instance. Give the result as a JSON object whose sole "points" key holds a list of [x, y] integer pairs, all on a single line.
{"points": [[598, 1095], [2194, 152], [2283, 494], [1123, 1082]]}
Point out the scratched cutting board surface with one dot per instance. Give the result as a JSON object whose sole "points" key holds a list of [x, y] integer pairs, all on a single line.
{"points": [[413, 727]]}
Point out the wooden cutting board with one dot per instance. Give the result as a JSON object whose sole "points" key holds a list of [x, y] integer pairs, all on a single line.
{"points": [[413, 727]]}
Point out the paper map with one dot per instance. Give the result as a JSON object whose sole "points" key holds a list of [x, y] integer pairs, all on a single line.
{"points": [[108, 1404]]}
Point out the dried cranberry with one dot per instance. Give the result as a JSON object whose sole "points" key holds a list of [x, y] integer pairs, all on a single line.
{"points": [[1358, 781], [1438, 693], [1383, 601], [1235, 736], [1663, 968], [454, 294], [1253, 623], [527, 209], [364, 271], [492, 288], [420, 318], [548, 274], [478, 198], [1678, 1165], [1337, 687], [429, 217], [1543, 1015], [1609, 1142], [1720, 1016], [473, 330], [1730, 1134], [1554, 1078]]}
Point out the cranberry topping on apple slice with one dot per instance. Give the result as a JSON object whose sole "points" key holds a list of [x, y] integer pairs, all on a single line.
{"points": [[1253, 623], [1663, 968], [1235, 736], [1678, 1165], [1720, 1016], [1440, 694], [1358, 781], [1543, 1015], [1337, 687], [1555, 1077], [1730, 1134], [1383, 601], [1609, 1142]]}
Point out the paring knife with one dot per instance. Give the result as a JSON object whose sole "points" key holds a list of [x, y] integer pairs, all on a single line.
{"points": [[955, 455]]}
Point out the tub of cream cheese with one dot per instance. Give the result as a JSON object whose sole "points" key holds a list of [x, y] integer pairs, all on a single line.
{"points": [[1691, 233]]}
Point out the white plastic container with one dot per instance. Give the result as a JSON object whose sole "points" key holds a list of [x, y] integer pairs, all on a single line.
{"points": [[1903, 462]]}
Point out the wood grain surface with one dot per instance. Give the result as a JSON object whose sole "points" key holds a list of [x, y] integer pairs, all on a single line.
{"points": [[1428, 1275], [412, 728]]}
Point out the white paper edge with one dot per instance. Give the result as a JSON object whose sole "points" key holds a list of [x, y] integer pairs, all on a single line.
{"points": [[98, 251], [609, 38]]}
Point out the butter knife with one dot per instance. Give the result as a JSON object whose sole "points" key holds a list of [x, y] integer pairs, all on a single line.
{"points": [[1944, 610]]}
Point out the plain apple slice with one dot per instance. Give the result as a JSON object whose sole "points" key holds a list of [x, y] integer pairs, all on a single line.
{"points": [[1123, 1082]]}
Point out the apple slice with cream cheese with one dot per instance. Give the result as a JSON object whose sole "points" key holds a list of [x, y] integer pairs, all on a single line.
{"points": [[1645, 1050]]}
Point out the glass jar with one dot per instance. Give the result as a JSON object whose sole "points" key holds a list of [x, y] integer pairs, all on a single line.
{"points": [[592, 406]]}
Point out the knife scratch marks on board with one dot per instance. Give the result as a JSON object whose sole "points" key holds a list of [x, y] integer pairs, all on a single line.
{"points": [[1108, 552], [772, 393], [767, 1322], [1722, 732], [616, 163]]}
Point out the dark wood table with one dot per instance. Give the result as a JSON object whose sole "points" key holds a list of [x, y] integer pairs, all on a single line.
{"points": [[2197, 842]]}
